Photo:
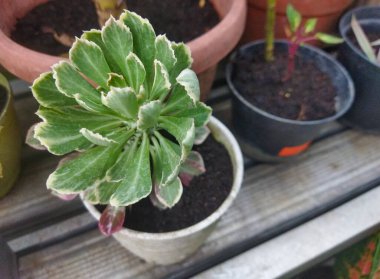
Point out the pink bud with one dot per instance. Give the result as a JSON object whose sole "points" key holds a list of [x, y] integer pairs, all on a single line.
{"points": [[111, 220], [185, 178]]}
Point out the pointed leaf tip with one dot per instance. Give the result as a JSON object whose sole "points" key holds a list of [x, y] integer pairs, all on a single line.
{"points": [[201, 134], [185, 178], [32, 141], [111, 220], [64, 197], [294, 17]]}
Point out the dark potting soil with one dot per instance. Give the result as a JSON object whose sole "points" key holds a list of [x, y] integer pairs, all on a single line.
{"points": [[3, 98], [61, 16], [180, 20], [308, 95], [199, 200]]}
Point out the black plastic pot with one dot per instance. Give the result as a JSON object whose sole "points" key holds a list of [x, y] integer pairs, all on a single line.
{"points": [[272, 138], [365, 112]]}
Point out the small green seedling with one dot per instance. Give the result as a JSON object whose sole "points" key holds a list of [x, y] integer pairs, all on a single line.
{"points": [[298, 34]]}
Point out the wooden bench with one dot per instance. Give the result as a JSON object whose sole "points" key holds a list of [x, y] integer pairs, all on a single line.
{"points": [[286, 218]]}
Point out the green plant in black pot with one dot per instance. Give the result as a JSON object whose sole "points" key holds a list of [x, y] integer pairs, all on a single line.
{"points": [[364, 69], [280, 106], [371, 49], [359, 58]]}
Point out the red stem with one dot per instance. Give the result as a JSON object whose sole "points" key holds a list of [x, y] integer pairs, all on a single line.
{"points": [[292, 51]]}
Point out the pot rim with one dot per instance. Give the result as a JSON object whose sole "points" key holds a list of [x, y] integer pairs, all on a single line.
{"points": [[343, 30], [4, 83], [235, 17], [281, 7], [326, 56], [235, 155]]}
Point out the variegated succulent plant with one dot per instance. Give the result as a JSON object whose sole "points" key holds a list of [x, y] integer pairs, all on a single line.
{"points": [[128, 103]]}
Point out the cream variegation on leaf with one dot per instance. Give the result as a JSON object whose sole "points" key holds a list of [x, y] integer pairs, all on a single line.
{"points": [[128, 102]]}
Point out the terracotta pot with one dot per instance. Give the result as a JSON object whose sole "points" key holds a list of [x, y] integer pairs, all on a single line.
{"points": [[326, 11], [207, 50], [10, 139], [173, 247]]}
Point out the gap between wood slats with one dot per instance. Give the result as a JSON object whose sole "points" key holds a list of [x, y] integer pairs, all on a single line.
{"points": [[57, 239], [42, 221]]}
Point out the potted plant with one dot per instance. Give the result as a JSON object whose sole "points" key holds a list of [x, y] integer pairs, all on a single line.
{"points": [[10, 139], [326, 11], [28, 64], [361, 260], [365, 71], [282, 103], [134, 132]]}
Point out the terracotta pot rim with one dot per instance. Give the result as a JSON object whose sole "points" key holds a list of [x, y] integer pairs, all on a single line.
{"points": [[203, 43], [326, 12], [237, 159], [207, 45]]}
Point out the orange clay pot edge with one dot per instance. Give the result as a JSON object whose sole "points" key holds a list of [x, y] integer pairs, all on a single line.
{"points": [[306, 7], [207, 50]]}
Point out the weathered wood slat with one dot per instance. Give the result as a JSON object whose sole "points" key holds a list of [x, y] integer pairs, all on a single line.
{"points": [[26, 243], [271, 195], [308, 244], [29, 204]]}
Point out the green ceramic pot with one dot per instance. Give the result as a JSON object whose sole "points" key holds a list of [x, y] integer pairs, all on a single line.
{"points": [[10, 139]]}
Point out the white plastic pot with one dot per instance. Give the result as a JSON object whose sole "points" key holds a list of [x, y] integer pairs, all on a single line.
{"points": [[173, 247]]}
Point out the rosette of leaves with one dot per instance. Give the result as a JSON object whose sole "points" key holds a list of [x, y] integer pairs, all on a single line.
{"points": [[128, 103]]}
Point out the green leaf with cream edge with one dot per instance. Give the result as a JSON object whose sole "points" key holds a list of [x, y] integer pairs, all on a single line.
{"points": [[128, 103]]}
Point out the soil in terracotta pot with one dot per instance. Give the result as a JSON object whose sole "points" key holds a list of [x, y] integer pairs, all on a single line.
{"points": [[199, 200], [308, 95], [34, 30], [3, 98], [180, 20]]}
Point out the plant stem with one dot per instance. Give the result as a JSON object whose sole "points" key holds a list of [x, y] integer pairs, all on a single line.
{"points": [[269, 30], [293, 47], [106, 8], [292, 51]]}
